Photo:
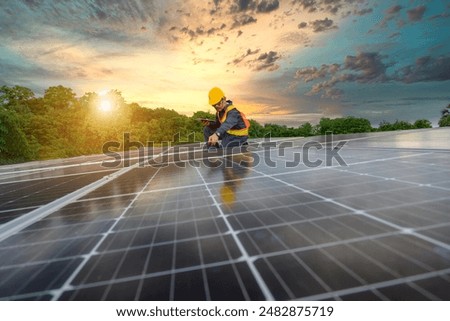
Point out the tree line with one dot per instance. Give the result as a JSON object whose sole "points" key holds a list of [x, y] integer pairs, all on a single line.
{"points": [[60, 125]]}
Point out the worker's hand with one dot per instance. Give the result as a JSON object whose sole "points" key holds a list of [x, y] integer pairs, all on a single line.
{"points": [[213, 139], [205, 122]]}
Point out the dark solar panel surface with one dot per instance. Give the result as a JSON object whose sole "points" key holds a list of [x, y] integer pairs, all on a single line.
{"points": [[259, 225]]}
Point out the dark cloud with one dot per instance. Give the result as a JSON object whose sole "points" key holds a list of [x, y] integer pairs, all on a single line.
{"points": [[327, 88], [307, 5], [33, 4], [263, 6], [362, 12], [266, 61], [14, 74], [390, 14], [242, 20], [322, 25], [111, 21], [393, 10], [416, 14], [369, 65], [440, 16], [312, 73], [365, 67], [242, 5], [199, 31], [267, 6], [302, 25], [249, 52], [330, 6], [425, 68]]}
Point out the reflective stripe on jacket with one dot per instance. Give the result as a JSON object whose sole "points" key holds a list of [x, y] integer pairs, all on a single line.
{"points": [[233, 131]]}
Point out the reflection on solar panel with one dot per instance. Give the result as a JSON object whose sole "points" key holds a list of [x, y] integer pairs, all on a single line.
{"points": [[280, 223]]}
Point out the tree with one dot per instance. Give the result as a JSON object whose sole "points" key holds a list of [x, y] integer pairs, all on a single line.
{"points": [[445, 117], [398, 125], [256, 129], [385, 126], [305, 130], [14, 145], [16, 98], [344, 125], [59, 97], [444, 121], [422, 123]]}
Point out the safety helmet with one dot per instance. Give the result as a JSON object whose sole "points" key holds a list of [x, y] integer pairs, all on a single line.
{"points": [[215, 95], [227, 195]]}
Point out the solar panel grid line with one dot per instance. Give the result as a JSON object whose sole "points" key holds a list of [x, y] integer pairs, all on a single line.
{"points": [[67, 284], [147, 259], [99, 198], [434, 226], [375, 286], [350, 164], [398, 180], [393, 273], [344, 267], [143, 277], [25, 220], [16, 188], [48, 168], [166, 225], [18, 209], [385, 268], [383, 208], [174, 266], [392, 207], [205, 238], [274, 225], [431, 240], [202, 263], [311, 272], [315, 275], [53, 177], [424, 292], [14, 176], [404, 255], [290, 294], [361, 212], [266, 292]]}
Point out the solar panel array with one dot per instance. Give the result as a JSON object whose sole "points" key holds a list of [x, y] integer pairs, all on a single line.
{"points": [[282, 223]]}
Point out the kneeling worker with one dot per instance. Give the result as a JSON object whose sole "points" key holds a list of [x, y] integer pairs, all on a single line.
{"points": [[231, 126]]}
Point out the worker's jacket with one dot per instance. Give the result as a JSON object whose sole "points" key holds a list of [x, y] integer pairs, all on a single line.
{"points": [[232, 122]]}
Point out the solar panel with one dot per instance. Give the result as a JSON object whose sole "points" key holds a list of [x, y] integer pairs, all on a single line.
{"points": [[289, 222]]}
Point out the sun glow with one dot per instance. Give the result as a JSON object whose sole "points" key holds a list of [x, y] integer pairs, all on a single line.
{"points": [[105, 105]]}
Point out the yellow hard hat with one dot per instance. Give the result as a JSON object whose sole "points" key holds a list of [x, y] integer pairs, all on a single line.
{"points": [[215, 95], [227, 194]]}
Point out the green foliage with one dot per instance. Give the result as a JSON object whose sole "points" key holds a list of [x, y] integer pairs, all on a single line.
{"points": [[14, 145], [399, 125], [59, 97], [256, 129], [422, 123], [346, 125], [15, 97], [444, 121]]}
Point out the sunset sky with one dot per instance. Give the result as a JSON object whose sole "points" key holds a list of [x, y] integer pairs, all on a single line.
{"points": [[286, 62]]}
